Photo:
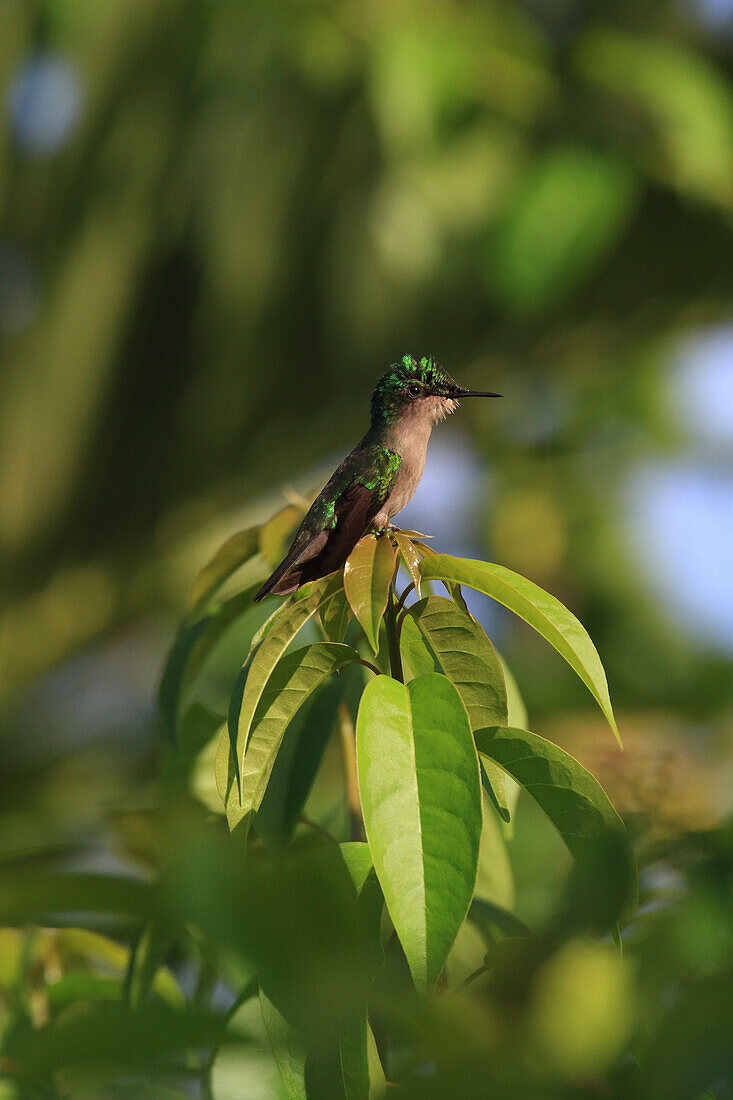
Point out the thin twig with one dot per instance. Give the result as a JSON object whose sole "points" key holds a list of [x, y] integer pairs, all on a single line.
{"points": [[400, 621], [368, 664], [403, 597], [317, 828], [483, 969]]}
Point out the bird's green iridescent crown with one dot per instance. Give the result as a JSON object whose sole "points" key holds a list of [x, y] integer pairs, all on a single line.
{"points": [[427, 370]]}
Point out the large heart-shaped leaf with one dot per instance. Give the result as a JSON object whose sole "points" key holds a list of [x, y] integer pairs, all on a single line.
{"points": [[538, 608], [421, 797], [465, 655], [367, 576], [281, 629], [574, 801], [294, 678]]}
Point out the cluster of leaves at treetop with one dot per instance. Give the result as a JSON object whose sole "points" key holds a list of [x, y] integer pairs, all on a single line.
{"points": [[434, 727]]}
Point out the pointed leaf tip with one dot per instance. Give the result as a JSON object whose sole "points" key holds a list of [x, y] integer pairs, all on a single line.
{"points": [[541, 610], [367, 576]]}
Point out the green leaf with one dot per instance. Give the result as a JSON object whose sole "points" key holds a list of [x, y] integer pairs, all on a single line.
{"points": [[146, 958], [517, 717], [453, 590], [192, 647], [33, 898], [495, 877], [81, 986], [350, 1066], [108, 1033], [275, 535], [358, 861], [494, 783], [413, 646], [484, 914], [574, 801], [335, 617], [377, 1079], [516, 710], [300, 755], [684, 99], [354, 1057], [367, 576], [294, 678], [281, 628], [190, 765], [311, 936], [237, 550], [421, 796], [287, 1048], [560, 225], [466, 656], [410, 555], [538, 608], [347, 1068]]}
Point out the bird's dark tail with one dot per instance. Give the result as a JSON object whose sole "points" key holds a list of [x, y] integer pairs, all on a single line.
{"points": [[287, 563]]}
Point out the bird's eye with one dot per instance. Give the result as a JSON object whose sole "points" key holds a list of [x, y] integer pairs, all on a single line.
{"points": [[414, 390]]}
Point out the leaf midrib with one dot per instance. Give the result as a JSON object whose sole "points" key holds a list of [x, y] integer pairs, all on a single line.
{"points": [[605, 702]]}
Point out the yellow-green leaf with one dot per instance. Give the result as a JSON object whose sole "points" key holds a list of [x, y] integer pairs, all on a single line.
{"points": [[421, 797], [367, 576], [410, 555], [275, 535], [574, 801], [538, 608], [237, 550], [294, 678], [283, 626], [465, 655]]}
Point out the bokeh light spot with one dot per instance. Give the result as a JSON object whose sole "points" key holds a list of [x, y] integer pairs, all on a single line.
{"points": [[44, 104]]}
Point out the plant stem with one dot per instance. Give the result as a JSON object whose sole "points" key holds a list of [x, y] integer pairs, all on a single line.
{"points": [[369, 665], [317, 828], [348, 749], [145, 958], [483, 969], [403, 597], [393, 638]]}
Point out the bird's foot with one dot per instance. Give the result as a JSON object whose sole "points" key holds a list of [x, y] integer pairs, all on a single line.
{"points": [[386, 529]]}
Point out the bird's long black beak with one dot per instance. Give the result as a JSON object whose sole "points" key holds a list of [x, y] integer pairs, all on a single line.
{"points": [[458, 391]]}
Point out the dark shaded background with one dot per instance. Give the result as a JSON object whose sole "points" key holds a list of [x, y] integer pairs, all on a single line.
{"points": [[220, 221]]}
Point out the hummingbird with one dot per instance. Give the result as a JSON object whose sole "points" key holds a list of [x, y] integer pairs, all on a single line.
{"points": [[377, 478]]}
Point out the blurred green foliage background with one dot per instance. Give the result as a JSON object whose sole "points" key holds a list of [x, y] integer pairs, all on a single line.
{"points": [[221, 220]]}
